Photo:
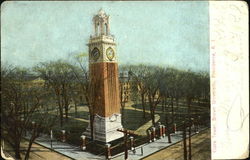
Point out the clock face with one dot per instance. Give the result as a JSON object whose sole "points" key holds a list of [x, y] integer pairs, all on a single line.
{"points": [[95, 54], [110, 53]]}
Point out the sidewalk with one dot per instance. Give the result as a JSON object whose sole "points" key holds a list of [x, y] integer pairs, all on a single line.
{"points": [[201, 149], [73, 152], [150, 148], [142, 151]]}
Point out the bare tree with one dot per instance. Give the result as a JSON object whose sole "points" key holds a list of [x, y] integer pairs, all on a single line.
{"points": [[21, 104], [153, 83], [58, 76], [139, 75], [170, 86], [124, 84], [135, 94], [80, 70]]}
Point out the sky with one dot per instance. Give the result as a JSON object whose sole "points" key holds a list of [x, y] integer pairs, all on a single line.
{"points": [[172, 33]]}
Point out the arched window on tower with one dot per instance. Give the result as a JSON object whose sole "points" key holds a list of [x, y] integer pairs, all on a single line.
{"points": [[98, 29], [106, 29]]}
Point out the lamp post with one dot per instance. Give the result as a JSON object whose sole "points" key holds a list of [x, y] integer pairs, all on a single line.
{"points": [[126, 133], [149, 135], [83, 145], [51, 137], [189, 139], [131, 139], [63, 136], [198, 123], [153, 134], [23, 125], [168, 130], [33, 124], [184, 141], [175, 128], [192, 124]]}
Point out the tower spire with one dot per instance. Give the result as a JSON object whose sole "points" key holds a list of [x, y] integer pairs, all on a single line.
{"points": [[101, 23], [101, 12]]}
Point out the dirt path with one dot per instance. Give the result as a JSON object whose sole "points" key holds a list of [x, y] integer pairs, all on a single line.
{"points": [[200, 149]]}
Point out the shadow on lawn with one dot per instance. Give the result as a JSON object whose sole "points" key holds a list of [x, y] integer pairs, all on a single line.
{"points": [[74, 129], [180, 112], [133, 119], [80, 114]]}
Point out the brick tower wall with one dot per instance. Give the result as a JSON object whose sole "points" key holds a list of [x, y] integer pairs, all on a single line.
{"points": [[105, 88]]}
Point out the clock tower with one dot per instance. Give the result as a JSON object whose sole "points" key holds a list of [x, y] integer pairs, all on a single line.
{"points": [[103, 68]]}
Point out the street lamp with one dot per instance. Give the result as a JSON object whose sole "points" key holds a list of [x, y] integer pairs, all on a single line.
{"points": [[131, 138], [51, 138], [83, 145], [63, 135], [149, 135], [33, 124]]}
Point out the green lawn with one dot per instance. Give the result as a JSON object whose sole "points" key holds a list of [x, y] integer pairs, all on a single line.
{"points": [[180, 112], [74, 129], [132, 120]]}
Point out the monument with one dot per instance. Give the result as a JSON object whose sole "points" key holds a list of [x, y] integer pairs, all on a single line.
{"points": [[103, 68]]}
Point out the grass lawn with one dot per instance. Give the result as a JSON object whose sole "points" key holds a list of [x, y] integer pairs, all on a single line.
{"points": [[180, 111], [132, 120], [74, 129]]}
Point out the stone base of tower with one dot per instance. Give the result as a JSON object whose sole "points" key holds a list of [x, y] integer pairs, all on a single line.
{"points": [[105, 128]]}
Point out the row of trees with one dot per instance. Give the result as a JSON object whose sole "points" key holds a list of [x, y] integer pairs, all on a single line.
{"points": [[66, 80], [155, 85], [23, 108], [31, 109], [23, 103]]}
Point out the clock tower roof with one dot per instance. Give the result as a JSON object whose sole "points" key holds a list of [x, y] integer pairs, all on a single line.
{"points": [[101, 24], [101, 13]]}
